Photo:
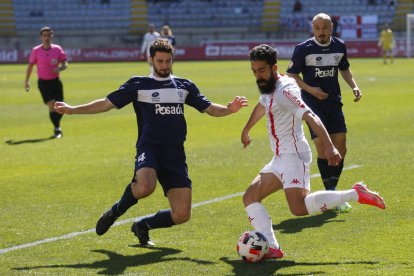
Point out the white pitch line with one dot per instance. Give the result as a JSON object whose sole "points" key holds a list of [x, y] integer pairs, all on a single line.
{"points": [[121, 222]]}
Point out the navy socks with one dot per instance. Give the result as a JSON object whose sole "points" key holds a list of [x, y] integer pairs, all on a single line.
{"points": [[162, 219], [127, 200], [330, 174]]}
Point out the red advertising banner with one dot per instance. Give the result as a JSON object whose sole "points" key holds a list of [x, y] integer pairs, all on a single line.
{"points": [[209, 51]]}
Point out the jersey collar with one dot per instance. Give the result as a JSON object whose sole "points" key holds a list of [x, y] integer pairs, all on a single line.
{"points": [[322, 45], [159, 78]]}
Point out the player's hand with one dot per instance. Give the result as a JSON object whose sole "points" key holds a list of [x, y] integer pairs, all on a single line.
{"points": [[333, 156], [319, 93], [245, 139], [237, 103], [357, 94], [63, 108], [27, 87]]}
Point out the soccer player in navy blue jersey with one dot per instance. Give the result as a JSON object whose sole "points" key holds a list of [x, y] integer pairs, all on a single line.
{"points": [[319, 59], [158, 102]]}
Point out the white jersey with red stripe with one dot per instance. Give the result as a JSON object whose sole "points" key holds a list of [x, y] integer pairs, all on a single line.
{"points": [[284, 112]]}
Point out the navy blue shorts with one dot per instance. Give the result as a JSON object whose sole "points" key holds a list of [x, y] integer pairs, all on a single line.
{"points": [[331, 116], [51, 90], [169, 163]]}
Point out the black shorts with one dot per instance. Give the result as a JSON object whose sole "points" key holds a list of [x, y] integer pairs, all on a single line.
{"points": [[331, 116], [51, 90], [169, 163]]}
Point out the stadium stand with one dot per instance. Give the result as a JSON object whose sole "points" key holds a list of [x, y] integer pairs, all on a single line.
{"points": [[7, 22], [217, 13], [399, 21], [91, 23], [72, 17], [271, 16], [139, 16], [381, 8]]}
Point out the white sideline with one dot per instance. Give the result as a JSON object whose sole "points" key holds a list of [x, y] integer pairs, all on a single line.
{"points": [[121, 222]]}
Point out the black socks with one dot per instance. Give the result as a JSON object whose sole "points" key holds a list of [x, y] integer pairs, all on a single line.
{"points": [[127, 200]]}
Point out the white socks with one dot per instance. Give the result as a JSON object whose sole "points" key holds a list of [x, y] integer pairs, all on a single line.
{"points": [[321, 201], [262, 222]]}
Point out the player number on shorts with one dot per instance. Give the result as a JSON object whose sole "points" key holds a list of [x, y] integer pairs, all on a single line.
{"points": [[141, 158]]}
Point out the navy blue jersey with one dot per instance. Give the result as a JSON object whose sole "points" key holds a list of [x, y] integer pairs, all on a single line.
{"points": [[159, 107], [319, 66]]}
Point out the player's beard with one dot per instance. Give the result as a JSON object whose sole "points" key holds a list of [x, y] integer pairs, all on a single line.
{"points": [[163, 73], [323, 39], [266, 86]]}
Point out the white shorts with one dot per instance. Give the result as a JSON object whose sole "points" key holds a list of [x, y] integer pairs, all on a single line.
{"points": [[292, 169]]}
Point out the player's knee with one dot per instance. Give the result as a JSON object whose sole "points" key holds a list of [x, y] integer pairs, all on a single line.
{"points": [[181, 216], [141, 190], [298, 210], [249, 197]]}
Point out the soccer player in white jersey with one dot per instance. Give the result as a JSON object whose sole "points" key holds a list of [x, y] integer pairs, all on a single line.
{"points": [[289, 169]]}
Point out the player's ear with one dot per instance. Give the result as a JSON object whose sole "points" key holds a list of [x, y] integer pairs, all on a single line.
{"points": [[274, 68]]}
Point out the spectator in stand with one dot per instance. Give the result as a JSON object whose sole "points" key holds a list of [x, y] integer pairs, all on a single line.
{"points": [[167, 34], [335, 31], [297, 7], [148, 38]]}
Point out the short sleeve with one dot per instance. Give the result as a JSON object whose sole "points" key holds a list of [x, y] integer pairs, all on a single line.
{"points": [[344, 63], [62, 55], [126, 94], [291, 100], [33, 57], [297, 62], [195, 98]]}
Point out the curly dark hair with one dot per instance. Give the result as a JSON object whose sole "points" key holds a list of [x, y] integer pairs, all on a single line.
{"points": [[265, 53], [161, 45]]}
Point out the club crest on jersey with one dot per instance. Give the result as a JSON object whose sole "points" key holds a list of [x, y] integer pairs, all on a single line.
{"points": [[180, 96], [293, 98], [167, 110]]}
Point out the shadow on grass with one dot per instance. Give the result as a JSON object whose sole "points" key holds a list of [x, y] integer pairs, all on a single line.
{"points": [[117, 263], [272, 267], [29, 141], [296, 225]]}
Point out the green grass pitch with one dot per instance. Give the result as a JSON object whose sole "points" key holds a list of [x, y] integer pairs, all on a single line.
{"points": [[51, 188]]}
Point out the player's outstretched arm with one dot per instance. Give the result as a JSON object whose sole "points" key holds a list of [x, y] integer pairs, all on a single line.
{"points": [[94, 107], [257, 113], [218, 110], [331, 153]]}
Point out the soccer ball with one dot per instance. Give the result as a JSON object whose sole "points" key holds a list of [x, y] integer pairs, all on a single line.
{"points": [[252, 246]]}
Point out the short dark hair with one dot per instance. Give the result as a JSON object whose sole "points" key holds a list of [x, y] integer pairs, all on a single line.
{"points": [[161, 45], [46, 29], [264, 52]]}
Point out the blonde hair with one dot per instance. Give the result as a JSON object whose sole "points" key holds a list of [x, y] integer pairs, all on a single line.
{"points": [[168, 29]]}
